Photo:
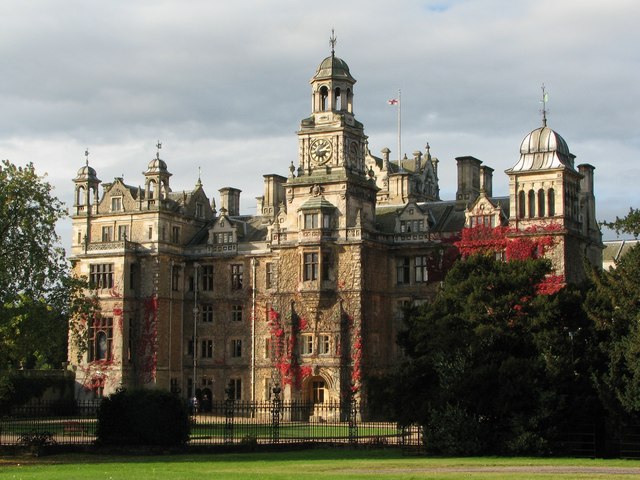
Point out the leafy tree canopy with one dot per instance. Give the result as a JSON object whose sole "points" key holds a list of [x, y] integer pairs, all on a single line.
{"points": [[493, 364], [629, 224], [614, 305], [37, 293]]}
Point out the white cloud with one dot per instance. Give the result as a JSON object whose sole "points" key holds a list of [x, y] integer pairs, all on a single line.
{"points": [[224, 85]]}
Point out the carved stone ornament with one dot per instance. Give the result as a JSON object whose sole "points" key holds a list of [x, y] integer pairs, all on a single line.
{"points": [[316, 190]]}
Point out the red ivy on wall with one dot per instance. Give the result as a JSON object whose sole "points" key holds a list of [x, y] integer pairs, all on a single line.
{"points": [[147, 340], [285, 360], [531, 242]]}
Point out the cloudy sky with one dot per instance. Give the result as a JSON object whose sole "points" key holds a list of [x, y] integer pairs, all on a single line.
{"points": [[223, 85]]}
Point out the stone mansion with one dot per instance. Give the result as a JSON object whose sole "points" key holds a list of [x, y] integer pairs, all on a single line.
{"points": [[307, 293]]}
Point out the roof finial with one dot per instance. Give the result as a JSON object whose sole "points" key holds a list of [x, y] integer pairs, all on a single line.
{"points": [[199, 183], [332, 41], [86, 155], [159, 146], [545, 99]]}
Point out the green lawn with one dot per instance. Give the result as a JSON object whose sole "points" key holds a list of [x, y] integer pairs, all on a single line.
{"points": [[309, 464]]}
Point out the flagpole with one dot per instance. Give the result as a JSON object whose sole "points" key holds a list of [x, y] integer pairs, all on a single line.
{"points": [[399, 127]]}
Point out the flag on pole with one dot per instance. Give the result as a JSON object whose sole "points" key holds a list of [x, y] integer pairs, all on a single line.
{"points": [[393, 101]]}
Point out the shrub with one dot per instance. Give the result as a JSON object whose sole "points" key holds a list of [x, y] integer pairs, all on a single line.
{"points": [[143, 417], [453, 431]]}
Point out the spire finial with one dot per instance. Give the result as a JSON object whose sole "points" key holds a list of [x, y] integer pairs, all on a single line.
{"points": [[332, 41], [86, 156], [545, 99], [158, 146], [199, 183]]}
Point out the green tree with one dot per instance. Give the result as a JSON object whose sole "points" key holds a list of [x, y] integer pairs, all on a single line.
{"points": [[629, 224], [490, 367], [614, 306], [37, 292]]}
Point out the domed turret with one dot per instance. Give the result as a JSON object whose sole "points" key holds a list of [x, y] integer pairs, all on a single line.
{"points": [[86, 188], [156, 185], [86, 173], [335, 68], [544, 149], [157, 165]]}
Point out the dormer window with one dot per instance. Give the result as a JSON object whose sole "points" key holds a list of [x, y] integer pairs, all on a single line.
{"points": [[482, 221], [409, 226], [116, 204], [199, 210], [224, 237]]}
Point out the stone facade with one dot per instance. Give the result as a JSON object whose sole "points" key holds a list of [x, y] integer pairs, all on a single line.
{"points": [[308, 293]]}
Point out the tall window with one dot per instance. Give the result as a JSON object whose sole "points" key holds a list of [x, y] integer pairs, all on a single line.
{"points": [[199, 210], [326, 266], [551, 194], [236, 276], [207, 277], [521, 204], [235, 388], [175, 278], [101, 275], [207, 349], [123, 232], [133, 276], [311, 220], [310, 271], [175, 234], [267, 347], [421, 271], [532, 203], [403, 271], [306, 344], [269, 275], [236, 313], [323, 344], [236, 348], [101, 339], [541, 201], [207, 313], [116, 204], [107, 234]]}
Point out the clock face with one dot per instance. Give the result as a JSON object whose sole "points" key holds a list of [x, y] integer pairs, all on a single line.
{"points": [[353, 152], [321, 151]]}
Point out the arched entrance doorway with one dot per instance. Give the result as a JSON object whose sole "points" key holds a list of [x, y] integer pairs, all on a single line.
{"points": [[315, 391]]}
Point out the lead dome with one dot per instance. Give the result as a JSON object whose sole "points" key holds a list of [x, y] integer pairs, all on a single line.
{"points": [[542, 149], [333, 67]]}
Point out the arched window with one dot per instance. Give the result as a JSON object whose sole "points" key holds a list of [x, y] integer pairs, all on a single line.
{"points": [[324, 95], [532, 203], [521, 204], [337, 100], [80, 197], [102, 346], [551, 195], [541, 202], [349, 100], [101, 337], [152, 188]]}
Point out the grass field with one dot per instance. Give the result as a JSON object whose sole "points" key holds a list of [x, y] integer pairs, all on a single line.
{"points": [[308, 464]]}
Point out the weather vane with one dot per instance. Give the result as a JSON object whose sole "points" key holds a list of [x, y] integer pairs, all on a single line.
{"points": [[332, 41], [545, 99], [159, 145]]}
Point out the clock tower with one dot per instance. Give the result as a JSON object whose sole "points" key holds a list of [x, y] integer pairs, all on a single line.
{"points": [[332, 148]]}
